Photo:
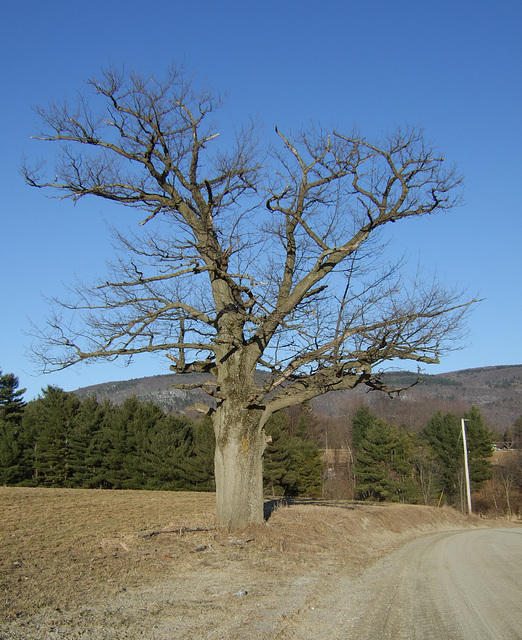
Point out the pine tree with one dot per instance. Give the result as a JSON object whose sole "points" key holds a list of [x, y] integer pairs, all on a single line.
{"points": [[276, 461], [371, 461], [51, 420], [361, 422], [203, 455], [170, 442], [99, 454], [442, 432], [11, 411], [124, 444], [181, 454], [444, 435], [11, 401], [384, 464], [480, 448], [10, 454], [306, 461], [86, 455], [292, 465]]}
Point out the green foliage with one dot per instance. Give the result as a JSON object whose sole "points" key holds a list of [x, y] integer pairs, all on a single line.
{"points": [[59, 440], [88, 457], [384, 467], [50, 424], [480, 448], [11, 400], [10, 454], [11, 411], [292, 464], [66, 442], [443, 433], [361, 422], [182, 454]]}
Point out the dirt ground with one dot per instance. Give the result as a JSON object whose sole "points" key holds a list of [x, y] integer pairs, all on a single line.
{"points": [[130, 564]]}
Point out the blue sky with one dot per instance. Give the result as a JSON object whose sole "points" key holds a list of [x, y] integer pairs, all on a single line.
{"points": [[453, 67]]}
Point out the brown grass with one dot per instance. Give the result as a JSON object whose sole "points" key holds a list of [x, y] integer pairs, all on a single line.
{"points": [[60, 547]]}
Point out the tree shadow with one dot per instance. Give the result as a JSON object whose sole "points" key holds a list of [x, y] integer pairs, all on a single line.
{"points": [[272, 505], [288, 501]]}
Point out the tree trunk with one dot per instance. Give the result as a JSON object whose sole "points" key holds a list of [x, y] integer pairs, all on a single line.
{"points": [[240, 443]]}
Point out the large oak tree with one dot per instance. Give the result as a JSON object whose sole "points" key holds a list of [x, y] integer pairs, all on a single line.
{"points": [[256, 256]]}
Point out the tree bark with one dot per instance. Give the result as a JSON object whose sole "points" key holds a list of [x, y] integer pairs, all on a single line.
{"points": [[240, 443]]}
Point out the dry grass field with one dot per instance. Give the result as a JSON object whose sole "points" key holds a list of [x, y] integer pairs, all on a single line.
{"points": [[124, 564]]}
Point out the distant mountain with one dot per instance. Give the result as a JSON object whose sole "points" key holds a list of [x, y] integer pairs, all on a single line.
{"points": [[497, 391], [158, 389]]}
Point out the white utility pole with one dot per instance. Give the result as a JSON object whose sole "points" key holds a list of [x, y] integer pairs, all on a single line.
{"points": [[466, 465]]}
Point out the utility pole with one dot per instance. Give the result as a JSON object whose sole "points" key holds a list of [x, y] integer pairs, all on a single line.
{"points": [[466, 465]]}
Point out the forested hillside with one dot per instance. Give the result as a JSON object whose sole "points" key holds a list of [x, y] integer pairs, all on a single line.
{"points": [[496, 391]]}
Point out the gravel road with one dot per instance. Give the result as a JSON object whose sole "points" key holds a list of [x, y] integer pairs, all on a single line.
{"points": [[449, 586]]}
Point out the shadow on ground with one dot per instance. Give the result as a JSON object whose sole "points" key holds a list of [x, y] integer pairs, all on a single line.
{"points": [[288, 501]]}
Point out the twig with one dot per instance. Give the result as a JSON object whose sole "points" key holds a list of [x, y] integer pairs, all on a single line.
{"points": [[179, 531]]}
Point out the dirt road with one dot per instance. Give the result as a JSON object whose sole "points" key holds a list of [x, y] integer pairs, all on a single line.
{"points": [[460, 585]]}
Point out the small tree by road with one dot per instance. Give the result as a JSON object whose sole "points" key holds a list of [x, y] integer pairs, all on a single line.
{"points": [[262, 253]]}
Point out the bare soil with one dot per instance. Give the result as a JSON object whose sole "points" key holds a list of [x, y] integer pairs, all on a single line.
{"points": [[136, 564]]}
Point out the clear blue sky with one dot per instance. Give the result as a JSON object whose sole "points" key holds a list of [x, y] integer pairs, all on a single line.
{"points": [[453, 67]]}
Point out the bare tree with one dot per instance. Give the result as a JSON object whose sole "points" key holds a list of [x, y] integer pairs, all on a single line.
{"points": [[257, 257], [508, 472]]}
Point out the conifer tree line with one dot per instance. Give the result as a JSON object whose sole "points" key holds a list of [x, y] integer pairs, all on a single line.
{"points": [[393, 464], [59, 440]]}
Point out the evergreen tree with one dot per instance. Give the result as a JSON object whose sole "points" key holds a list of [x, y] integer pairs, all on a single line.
{"points": [[384, 463], [11, 401], [51, 421], [444, 435], [306, 462], [181, 454], [292, 464], [124, 444], [361, 422], [170, 442], [11, 411], [11, 467], [87, 459], [277, 475], [64, 442], [480, 448], [203, 455]]}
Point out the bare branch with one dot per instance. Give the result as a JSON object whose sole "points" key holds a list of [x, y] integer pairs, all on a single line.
{"points": [[254, 256]]}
